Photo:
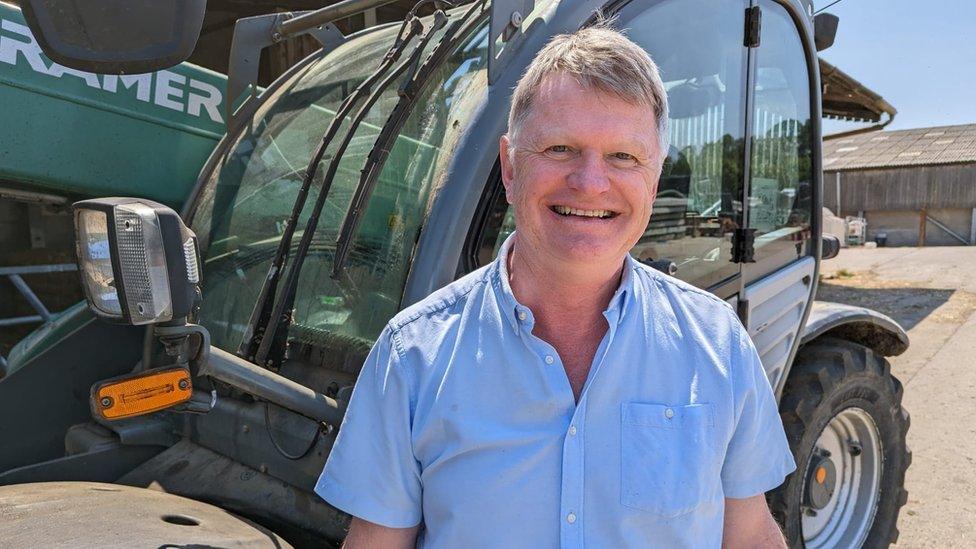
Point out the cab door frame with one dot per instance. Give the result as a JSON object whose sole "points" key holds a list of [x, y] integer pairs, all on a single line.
{"points": [[774, 300]]}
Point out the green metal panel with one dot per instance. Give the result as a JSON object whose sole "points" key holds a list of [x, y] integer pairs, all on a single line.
{"points": [[81, 134], [48, 335]]}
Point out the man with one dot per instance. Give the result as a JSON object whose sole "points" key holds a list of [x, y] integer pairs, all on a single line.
{"points": [[566, 395]]}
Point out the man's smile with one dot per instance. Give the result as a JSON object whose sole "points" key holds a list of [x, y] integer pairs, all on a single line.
{"points": [[567, 211]]}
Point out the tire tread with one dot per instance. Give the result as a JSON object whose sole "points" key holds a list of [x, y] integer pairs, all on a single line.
{"points": [[819, 368]]}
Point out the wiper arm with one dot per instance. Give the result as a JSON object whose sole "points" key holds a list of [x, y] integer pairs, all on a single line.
{"points": [[274, 335], [408, 92], [261, 314]]}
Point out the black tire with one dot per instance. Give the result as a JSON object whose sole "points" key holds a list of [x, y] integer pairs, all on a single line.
{"points": [[828, 376]]}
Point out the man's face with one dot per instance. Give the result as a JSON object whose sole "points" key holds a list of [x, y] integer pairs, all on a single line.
{"points": [[583, 176]]}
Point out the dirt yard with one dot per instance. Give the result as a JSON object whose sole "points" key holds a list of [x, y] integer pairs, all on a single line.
{"points": [[931, 292]]}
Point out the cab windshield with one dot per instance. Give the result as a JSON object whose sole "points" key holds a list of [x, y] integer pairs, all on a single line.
{"points": [[244, 206]]}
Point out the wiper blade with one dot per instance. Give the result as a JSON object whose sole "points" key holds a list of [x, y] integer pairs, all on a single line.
{"points": [[408, 92], [274, 335], [261, 314]]}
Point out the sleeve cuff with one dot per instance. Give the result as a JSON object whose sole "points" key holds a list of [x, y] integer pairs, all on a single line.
{"points": [[363, 508], [759, 484]]}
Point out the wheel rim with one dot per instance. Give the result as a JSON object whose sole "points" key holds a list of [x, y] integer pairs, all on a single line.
{"points": [[850, 442]]}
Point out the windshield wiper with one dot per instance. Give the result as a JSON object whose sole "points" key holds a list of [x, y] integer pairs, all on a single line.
{"points": [[261, 313], [408, 92], [274, 336]]}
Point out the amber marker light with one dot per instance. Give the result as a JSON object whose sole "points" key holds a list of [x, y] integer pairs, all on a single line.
{"points": [[146, 392]]}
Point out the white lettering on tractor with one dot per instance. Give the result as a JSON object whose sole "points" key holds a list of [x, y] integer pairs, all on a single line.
{"points": [[164, 88], [30, 50], [89, 78], [211, 101], [142, 82]]}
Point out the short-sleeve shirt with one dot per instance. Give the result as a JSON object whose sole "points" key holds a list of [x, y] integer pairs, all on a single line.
{"points": [[465, 421]]}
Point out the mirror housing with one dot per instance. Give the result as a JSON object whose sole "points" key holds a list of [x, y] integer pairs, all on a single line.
{"points": [[116, 36], [139, 263], [693, 99], [824, 30], [829, 246]]}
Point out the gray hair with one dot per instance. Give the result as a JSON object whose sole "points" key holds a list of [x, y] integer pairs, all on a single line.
{"points": [[599, 58]]}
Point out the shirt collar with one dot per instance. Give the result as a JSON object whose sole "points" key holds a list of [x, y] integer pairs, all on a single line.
{"points": [[516, 313], [511, 308]]}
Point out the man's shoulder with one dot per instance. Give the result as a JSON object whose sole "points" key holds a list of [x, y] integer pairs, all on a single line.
{"points": [[449, 298], [680, 292], [697, 323]]}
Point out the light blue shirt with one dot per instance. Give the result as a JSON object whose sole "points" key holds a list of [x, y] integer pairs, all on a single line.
{"points": [[464, 420]]}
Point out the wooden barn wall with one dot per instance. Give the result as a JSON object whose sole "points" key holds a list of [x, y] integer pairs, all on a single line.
{"points": [[908, 188]]}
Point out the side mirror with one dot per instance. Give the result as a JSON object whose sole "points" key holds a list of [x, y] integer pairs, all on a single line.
{"points": [[824, 30], [687, 100], [116, 36], [139, 263], [829, 246], [666, 266]]}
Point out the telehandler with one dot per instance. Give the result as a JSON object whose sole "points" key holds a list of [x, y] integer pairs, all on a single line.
{"points": [[365, 178]]}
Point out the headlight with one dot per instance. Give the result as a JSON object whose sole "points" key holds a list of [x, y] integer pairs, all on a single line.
{"points": [[96, 263], [137, 259]]}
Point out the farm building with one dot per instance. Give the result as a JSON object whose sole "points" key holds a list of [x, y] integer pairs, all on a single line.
{"points": [[914, 187]]}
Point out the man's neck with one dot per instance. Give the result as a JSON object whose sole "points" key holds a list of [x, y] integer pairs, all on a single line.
{"points": [[563, 296]]}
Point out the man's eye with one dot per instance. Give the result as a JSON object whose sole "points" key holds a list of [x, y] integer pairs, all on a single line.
{"points": [[626, 157], [558, 149]]}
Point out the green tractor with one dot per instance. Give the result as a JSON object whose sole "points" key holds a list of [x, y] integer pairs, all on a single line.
{"points": [[70, 135], [367, 177]]}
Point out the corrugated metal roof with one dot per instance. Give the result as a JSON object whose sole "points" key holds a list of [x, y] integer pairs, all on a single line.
{"points": [[844, 98], [886, 149]]}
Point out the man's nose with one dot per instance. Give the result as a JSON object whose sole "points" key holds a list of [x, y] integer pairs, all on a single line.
{"points": [[590, 175]]}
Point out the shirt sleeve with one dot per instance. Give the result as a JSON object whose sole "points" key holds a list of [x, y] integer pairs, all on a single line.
{"points": [[758, 456], [371, 472]]}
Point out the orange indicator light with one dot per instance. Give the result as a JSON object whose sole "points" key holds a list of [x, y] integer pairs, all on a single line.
{"points": [[142, 393], [821, 475]]}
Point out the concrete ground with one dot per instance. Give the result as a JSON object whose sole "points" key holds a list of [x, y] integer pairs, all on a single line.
{"points": [[932, 293]]}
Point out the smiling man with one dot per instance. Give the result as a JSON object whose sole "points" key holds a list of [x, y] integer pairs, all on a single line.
{"points": [[566, 395]]}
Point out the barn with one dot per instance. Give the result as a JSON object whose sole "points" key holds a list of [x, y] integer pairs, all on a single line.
{"points": [[914, 187]]}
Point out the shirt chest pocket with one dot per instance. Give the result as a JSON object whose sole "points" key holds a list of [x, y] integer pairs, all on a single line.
{"points": [[667, 457]]}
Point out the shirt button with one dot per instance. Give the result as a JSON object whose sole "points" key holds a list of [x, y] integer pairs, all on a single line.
{"points": [[572, 430], [549, 359], [571, 518], [522, 315], [669, 413]]}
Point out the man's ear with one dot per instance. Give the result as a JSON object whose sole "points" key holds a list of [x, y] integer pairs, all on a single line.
{"points": [[508, 169]]}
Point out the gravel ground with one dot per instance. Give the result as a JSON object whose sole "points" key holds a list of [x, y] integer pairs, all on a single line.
{"points": [[931, 292]]}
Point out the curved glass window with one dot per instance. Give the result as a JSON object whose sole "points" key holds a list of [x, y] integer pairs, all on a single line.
{"points": [[781, 184], [698, 47], [244, 206]]}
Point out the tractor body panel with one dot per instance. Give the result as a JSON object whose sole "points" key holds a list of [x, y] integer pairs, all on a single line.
{"points": [[858, 324], [79, 134]]}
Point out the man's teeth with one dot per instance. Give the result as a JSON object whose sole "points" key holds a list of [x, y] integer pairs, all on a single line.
{"points": [[582, 213]]}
